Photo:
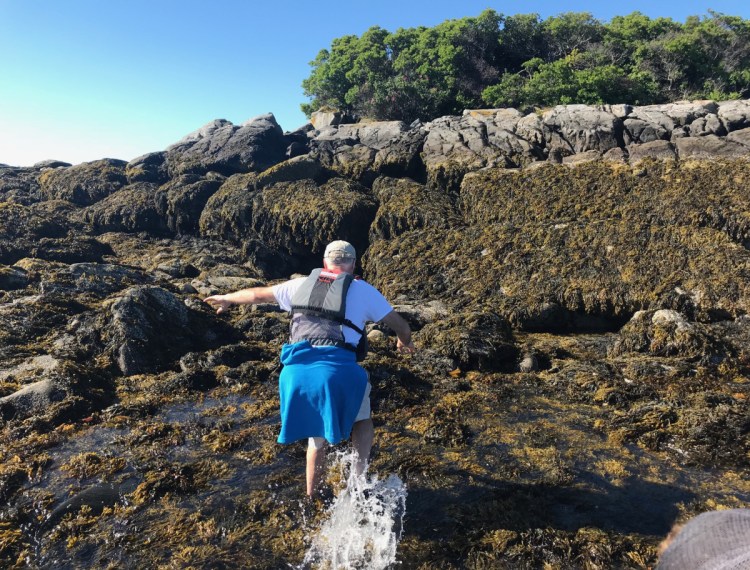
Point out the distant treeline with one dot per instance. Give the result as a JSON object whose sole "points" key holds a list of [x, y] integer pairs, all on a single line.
{"points": [[523, 61]]}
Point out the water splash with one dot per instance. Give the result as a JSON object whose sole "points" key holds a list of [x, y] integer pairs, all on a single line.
{"points": [[363, 524]]}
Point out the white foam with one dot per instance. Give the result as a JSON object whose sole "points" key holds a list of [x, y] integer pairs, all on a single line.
{"points": [[363, 525]]}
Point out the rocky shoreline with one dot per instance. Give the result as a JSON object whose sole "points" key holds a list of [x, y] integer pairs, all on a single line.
{"points": [[577, 279]]}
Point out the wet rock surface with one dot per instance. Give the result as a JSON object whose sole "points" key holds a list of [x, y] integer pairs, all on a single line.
{"points": [[577, 283]]}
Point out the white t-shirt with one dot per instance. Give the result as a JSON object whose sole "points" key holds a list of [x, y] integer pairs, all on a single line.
{"points": [[364, 304]]}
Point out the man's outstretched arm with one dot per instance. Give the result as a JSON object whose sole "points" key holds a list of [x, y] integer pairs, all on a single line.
{"points": [[250, 296], [397, 324]]}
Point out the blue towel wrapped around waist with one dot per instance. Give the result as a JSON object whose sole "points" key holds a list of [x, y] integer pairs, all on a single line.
{"points": [[321, 390]]}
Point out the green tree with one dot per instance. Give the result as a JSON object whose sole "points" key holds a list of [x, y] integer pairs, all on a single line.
{"points": [[576, 78], [571, 31], [413, 73], [522, 61], [522, 38]]}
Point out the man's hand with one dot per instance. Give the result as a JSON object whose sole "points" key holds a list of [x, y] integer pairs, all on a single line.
{"points": [[218, 302], [398, 325]]}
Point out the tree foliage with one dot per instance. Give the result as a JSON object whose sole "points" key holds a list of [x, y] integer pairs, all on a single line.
{"points": [[524, 61]]}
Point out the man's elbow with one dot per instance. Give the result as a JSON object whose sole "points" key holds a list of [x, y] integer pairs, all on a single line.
{"points": [[397, 323]]}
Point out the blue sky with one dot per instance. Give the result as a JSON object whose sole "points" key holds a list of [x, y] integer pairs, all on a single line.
{"points": [[87, 79]]}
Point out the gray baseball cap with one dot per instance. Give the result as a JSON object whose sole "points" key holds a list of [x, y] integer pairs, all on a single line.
{"points": [[340, 249], [716, 540]]}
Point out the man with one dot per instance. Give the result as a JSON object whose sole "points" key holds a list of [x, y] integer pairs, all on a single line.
{"points": [[324, 393]]}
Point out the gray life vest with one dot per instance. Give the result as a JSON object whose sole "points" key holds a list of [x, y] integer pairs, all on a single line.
{"points": [[318, 312]]}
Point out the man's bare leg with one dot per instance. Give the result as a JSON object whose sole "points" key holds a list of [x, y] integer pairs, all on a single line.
{"points": [[363, 434], [316, 459]]}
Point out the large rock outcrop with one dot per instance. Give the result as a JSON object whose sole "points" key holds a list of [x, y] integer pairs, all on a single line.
{"points": [[223, 147]]}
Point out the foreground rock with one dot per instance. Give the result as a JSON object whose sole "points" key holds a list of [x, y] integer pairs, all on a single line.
{"points": [[149, 328]]}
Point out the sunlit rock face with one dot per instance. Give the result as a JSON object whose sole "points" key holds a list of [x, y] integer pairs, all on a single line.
{"points": [[577, 284]]}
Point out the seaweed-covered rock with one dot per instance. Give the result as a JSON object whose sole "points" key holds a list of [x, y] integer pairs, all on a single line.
{"points": [[73, 249], [182, 200], [301, 218], [666, 332], [228, 149], [150, 328], [406, 205], [97, 279], [297, 168], [599, 242], [22, 228], [131, 209], [12, 278], [228, 212], [19, 185], [68, 392], [151, 167], [85, 183], [475, 340]]}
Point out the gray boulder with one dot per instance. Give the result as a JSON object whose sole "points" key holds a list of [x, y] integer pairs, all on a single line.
{"points": [[323, 119], [455, 146], [659, 149], [707, 125], [223, 147], [640, 131], [12, 278], [709, 147], [659, 122], [66, 393], [363, 151], [742, 137], [734, 114], [31, 399], [579, 128]]}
